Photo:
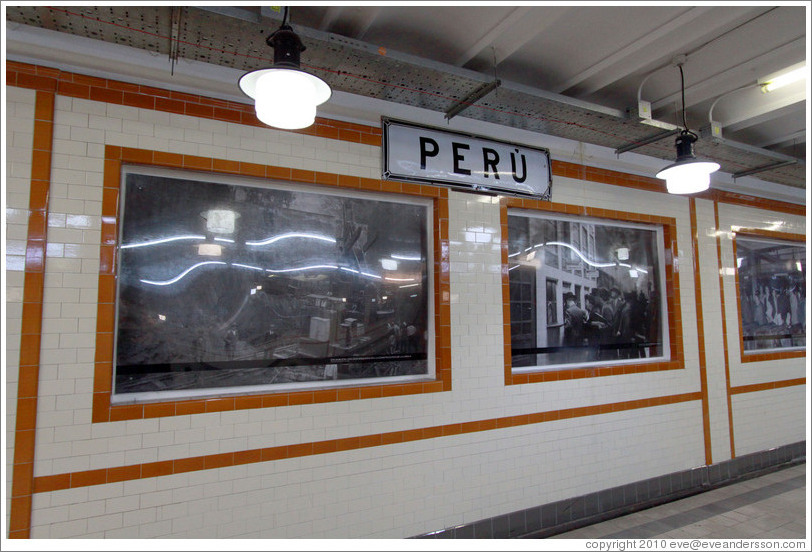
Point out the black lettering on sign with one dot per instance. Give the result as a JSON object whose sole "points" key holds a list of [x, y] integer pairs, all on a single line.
{"points": [[513, 166], [456, 147], [490, 158], [425, 152]]}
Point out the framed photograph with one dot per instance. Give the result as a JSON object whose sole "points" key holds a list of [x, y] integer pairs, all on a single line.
{"points": [[584, 292], [772, 293], [229, 284]]}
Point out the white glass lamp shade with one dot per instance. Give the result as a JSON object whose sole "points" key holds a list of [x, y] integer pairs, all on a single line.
{"points": [[285, 98], [688, 177]]}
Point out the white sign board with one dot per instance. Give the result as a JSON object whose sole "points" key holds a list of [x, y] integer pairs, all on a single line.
{"points": [[423, 154]]}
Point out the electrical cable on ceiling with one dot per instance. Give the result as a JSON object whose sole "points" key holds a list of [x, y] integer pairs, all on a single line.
{"points": [[351, 75], [373, 81]]}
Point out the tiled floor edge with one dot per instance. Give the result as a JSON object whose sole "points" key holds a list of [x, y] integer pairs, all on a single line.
{"points": [[572, 513]]}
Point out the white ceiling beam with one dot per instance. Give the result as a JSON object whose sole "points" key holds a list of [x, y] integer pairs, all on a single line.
{"points": [[708, 87], [370, 15], [488, 38], [521, 26], [748, 114], [330, 16], [790, 139], [630, 54]]}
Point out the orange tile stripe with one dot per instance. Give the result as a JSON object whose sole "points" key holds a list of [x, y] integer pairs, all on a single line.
{"points": [[75, 85], [31, 334], [756, 387], [672, 294], [777, 355], [102, 476], [104, 411], [724, 332], [700, 337]]}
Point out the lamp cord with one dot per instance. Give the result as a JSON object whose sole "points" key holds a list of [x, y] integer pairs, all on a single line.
{"points": [[682, 89], [285, 16]]}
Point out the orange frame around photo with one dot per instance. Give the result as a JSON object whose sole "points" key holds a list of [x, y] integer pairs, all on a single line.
{"points": [[672, 294], [756, 356], [115, 157]]}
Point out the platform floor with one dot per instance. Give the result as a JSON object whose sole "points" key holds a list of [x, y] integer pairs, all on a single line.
{"points": [[771, 506]]}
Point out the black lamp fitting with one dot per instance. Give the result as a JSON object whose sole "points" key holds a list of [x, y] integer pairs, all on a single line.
{"points": [[685, 145], [287, 47]]}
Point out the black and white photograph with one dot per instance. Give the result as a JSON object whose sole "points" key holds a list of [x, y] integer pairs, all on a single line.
{"points": [[772, 293], [225, 285], [584, 291]]}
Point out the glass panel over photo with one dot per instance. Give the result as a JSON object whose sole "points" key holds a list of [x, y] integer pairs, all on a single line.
{"points": [[772, 293], [223, 285], [584, 291]]}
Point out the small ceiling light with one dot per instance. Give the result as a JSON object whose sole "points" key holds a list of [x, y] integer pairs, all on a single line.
{"points": [[779, 81], [623, 253], [687, 175], [284, 95]]}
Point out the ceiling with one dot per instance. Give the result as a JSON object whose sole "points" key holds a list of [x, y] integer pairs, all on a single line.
{"points": [[571, 71]]}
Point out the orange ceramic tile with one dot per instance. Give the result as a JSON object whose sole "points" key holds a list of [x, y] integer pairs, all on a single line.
{"points": [[325, 447], [32, 318], [157, 469], [106, 95], [129, 412], [226, 166], [88, 478], [138, 100], [347, 394], [325, 395], [104, 347], [219, 405], [169, 105], [305, 397], [167, 159], [20, 519], [196, 162], [159, 410], [190, 407], [245, 402], [124, 473], [218, 460], [33, 283], [101, 407], [247, 457], [183, 465], [302, 449], [50, 483], [274, 453], [274, 400]]}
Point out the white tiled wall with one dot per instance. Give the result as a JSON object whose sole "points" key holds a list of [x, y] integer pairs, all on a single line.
{"points": [[19, 143], [388, 491], [769, 419]]}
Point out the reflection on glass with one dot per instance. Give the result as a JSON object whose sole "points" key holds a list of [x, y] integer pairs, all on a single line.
{"points": [[297, 292], [583, 291], [772, 293]]}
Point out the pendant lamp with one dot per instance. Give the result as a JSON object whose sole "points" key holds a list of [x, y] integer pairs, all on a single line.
{"points": [[687, 175], [284, 95]]}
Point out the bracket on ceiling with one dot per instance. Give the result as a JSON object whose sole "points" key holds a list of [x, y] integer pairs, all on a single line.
{"points": [[645, 141], [174, 36], [763, 168], [472, 98], [250, 14]]}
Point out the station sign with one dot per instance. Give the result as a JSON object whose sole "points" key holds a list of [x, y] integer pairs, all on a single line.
{"points": [[430, 155]]}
